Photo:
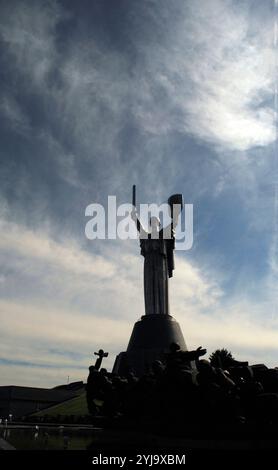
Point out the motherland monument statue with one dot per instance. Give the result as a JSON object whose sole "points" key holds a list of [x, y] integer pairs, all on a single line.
{"points": [[157, 247], [153, 334]]}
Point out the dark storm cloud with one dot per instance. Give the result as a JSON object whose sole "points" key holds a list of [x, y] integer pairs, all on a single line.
{"points": [[102, 100]]}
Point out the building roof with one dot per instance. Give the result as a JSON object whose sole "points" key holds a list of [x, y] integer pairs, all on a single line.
{"points": [[14, 392]]}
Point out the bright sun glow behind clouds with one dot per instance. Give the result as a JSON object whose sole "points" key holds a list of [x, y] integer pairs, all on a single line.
{"points": [[217, 74]]}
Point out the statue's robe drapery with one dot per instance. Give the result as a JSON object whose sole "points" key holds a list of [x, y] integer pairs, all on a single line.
{"points": [[158, 266]]}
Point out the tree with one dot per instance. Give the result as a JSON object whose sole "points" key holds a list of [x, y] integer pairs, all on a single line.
{"points": [[221, 358]]}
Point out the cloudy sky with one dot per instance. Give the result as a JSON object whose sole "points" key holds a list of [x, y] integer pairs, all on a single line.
{"points": [[174, 96]]}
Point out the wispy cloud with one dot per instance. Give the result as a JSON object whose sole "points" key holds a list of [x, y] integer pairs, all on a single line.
{"points": [[28, 31], [12, 112], [211, 76], [214, 68], [175, 96]]}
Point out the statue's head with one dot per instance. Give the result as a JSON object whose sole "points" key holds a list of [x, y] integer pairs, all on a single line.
{"points": [[154, 224]]}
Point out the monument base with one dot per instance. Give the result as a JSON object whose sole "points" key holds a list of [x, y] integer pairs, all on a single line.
{"points": [[149, 341]]}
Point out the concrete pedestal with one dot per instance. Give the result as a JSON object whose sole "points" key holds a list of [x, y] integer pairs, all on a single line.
{"points": [[150, 340]]}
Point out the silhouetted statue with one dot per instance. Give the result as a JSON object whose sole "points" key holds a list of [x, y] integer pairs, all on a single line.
{"points": [[90, 390], [157, 247], [178, 359], [101, 354]]}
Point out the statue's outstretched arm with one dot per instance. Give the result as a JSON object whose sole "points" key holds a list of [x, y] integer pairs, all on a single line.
{"points": [[169, 230], [139, 226]]}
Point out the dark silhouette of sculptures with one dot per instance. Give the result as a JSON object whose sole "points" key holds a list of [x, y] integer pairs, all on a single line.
{"points": [[177, 358], [96, 382], [101, 354], [180, 398], [91, 390]]}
